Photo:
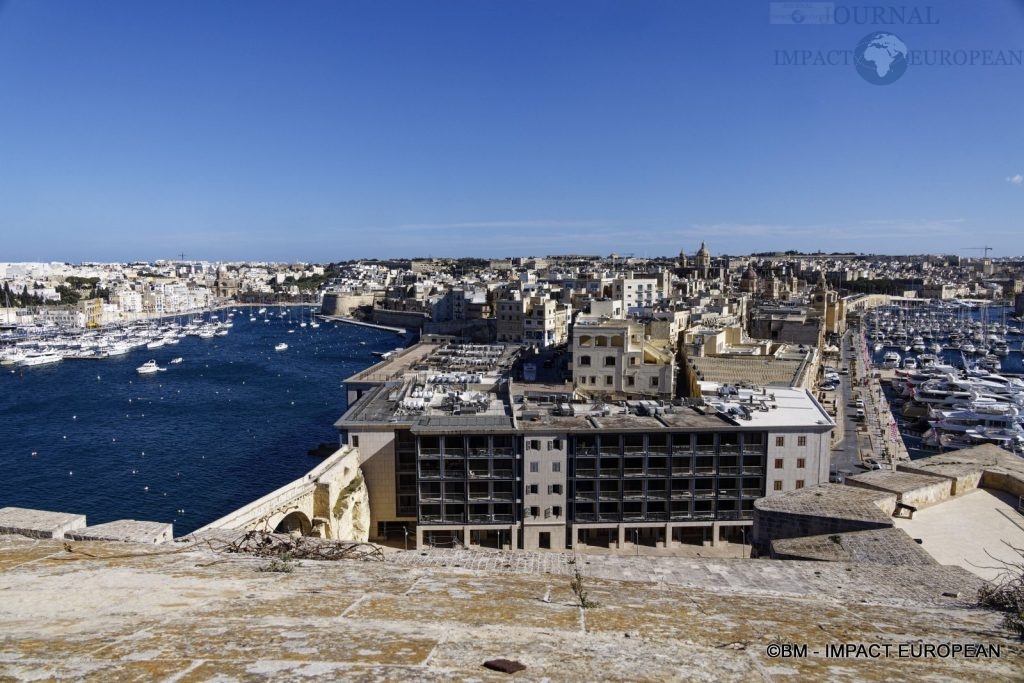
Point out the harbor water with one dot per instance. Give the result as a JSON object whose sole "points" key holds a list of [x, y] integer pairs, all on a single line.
{"points": [[229, 423]]}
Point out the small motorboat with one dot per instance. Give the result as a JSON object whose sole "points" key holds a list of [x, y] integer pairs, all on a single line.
{"points": [[148, 368]]}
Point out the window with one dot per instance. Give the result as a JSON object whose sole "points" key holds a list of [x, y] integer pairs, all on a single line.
{"points": [[557, 511], [609, 380], [557, 444], [556, 467], [535, 445], [535, 466], [555, 488], [355, 442], [654, 381], [778, 463], [780, 441], [801, 463], [799, 483], [801, 441], [777, 486], [632, 360], [535, 511], [533, 488], [584, 360], [609, 361]]}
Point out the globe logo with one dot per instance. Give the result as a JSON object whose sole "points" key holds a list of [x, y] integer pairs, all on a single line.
{"points": [[880, 58], [797, 16]]}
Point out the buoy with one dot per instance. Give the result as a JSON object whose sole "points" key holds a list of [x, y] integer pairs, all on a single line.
{"points": [[35, 453], [145, 488]]}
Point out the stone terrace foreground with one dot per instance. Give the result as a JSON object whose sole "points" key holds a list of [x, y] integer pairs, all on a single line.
{"points": [[119, 611]]}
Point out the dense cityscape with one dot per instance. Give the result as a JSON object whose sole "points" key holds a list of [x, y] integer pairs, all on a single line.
{"points": [[447, 340]]}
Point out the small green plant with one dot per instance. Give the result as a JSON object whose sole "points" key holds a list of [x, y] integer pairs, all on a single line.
{"points": [[281, 564], [579, 590], [836, 538]]}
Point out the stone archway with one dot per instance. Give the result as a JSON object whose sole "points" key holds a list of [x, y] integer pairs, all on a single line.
{"points": [[294, 522]]}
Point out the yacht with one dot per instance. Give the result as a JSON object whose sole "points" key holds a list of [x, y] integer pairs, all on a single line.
{"points": [[175, 361], [148, 368], [40, 359], [281, 347], [891, 359]]}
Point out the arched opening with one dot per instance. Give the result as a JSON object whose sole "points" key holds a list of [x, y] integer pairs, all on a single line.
{"points": [[294, 523], [602, 341], [586, 340]]}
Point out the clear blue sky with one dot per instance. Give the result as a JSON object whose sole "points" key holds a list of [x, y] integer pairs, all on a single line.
{"points": [[321, 131]]}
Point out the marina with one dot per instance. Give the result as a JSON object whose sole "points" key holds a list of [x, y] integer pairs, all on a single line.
{"points": [[225, 422], [953, 374]]}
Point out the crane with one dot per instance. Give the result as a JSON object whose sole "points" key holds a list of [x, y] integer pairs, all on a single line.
{"points": [[985, 249]]}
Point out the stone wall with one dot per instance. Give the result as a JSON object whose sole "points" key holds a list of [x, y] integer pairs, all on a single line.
{"points": [[772, 525], [1003, 481]]}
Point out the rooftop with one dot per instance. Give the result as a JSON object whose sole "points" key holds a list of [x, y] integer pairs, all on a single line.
{"points": [[430, 394]]}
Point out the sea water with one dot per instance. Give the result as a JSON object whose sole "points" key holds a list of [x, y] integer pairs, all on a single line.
{"points": [[233, 421]]}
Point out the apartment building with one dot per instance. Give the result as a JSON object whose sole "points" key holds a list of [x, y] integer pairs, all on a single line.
{"points": [[454, 452], [615, 357]]}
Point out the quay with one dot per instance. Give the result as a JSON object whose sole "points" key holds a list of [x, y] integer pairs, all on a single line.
{"points": [[353, 321]]}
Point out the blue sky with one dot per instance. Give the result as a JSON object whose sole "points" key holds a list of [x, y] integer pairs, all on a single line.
{"points": [[322, 131]]}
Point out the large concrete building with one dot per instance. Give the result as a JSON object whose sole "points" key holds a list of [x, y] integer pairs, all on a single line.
{"points": [[454, 452]]}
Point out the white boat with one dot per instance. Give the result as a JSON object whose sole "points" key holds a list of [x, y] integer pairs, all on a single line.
{"points": [[155, 344], [175, 361], [40, 359], [148, 368], [891, 359], [314, 325], [280, 347]]}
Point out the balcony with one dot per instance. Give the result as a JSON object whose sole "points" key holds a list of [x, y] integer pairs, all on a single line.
{"points": [[633, 472], [430, 452], [490, 519], [502, 474], [729, 450], [681, 495], [728, 493], [752, 493], [752, 469], [586, 473], [728, 470], [657, 471], [704, 493], [505, 451], [634, 495]]}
